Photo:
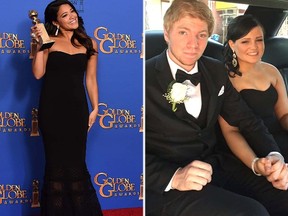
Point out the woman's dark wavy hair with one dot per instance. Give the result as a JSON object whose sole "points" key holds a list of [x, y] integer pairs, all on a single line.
{"points": [[237, 28], [79, 34]]}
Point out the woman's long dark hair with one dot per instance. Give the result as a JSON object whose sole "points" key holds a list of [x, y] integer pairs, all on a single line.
{"points": [[79, 34], [237, 28]]}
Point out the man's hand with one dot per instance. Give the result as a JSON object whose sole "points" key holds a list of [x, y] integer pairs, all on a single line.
{"points": [[194, 176]]}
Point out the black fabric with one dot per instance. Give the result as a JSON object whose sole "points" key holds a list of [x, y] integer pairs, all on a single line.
{"points": [[202, 118], [69, 191], [262, 103], [63, 122]]}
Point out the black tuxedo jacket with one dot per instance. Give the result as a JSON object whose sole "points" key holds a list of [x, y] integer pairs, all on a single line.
{"points": [[173, 139]]}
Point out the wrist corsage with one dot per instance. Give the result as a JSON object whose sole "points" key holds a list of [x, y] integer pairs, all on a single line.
{"points": [[176, 94]]}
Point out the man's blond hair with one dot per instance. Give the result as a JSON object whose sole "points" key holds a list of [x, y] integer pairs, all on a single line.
{"points": [[193, 8]]}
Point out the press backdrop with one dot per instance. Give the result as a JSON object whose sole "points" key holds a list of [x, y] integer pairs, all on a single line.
{"points": [[114, 148]]}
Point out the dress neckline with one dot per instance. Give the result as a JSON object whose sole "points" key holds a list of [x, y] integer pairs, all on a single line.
{"points": [[251, 89], [58, 51]]}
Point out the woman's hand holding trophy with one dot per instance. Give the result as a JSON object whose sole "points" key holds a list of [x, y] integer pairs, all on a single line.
{"points": [[40, 38]]}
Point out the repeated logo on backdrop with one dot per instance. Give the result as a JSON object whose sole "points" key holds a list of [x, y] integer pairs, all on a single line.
{"points": [[117, 43], [108, 187], [117, 186], [12, 43], [11, 194], [118, 118], [109, 118], [11, 122]]}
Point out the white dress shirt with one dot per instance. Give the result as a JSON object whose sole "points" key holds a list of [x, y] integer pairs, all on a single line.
{"points": [[194, 102]]}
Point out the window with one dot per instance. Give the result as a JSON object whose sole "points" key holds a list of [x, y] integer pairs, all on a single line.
{"points": [[284, 29]]}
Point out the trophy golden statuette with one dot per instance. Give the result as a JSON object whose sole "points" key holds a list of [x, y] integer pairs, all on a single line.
{"points": [[141, 126], [35, 194], [44, 41], [141, 187], [34, 130]]}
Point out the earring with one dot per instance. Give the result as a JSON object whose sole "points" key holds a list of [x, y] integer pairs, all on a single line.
{"points": [[57, 31], [234, 60]]}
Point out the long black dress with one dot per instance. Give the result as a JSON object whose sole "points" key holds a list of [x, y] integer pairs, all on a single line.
{"points": [[262, 103], [63, 121]]}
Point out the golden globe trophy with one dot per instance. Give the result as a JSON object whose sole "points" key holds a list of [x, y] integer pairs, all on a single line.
{"points": [[142, 48], [141, 124], [35, 194], [44, 41], [141, 187], [34, 129]]}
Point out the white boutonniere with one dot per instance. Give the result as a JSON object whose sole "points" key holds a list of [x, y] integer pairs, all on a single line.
{"points": [[176, 94]]}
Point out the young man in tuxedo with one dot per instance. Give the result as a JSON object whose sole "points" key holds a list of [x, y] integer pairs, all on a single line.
{"points": [[185, 173]]}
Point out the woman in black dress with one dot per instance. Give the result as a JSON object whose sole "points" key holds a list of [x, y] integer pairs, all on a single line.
{"points": [[64, 117], [260, 85]]}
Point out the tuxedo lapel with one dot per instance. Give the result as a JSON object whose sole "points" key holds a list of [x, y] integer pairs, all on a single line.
{"points": [[164, 75], [211, 90]]}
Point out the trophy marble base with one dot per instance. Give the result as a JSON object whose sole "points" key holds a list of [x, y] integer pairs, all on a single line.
{"points": [[46, 45], [33, 47]]}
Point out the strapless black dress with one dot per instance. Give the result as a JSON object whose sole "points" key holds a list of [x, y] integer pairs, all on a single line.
{"points": [[262, 103], [63, 121]]}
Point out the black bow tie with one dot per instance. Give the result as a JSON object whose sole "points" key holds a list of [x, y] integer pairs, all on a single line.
{"points": [[181, 76]]}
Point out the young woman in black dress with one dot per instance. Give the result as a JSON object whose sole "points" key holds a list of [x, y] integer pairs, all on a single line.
{"points": [[259, 83]]}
